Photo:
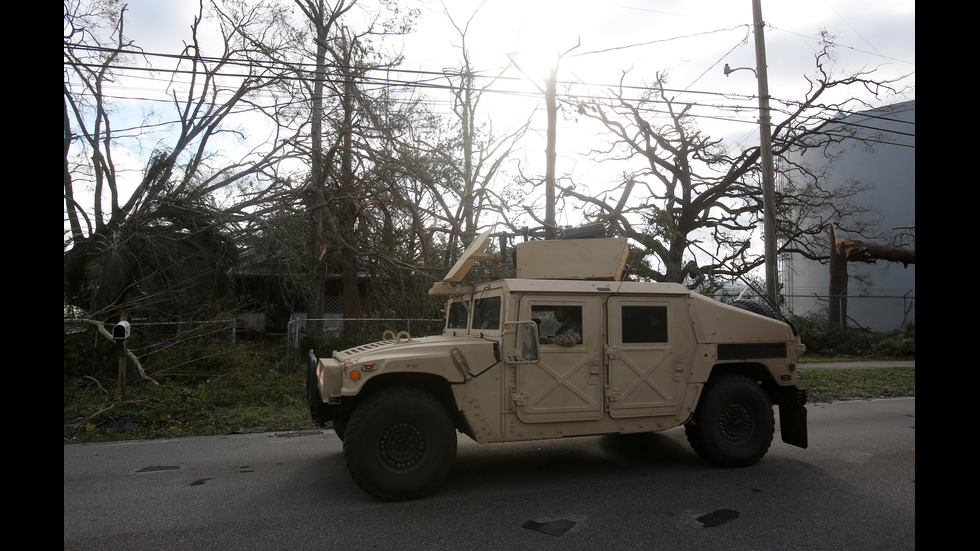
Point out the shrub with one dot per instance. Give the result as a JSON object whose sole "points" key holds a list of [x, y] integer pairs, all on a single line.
{"points": [[853, 342], [205, 386], [899, 344]]}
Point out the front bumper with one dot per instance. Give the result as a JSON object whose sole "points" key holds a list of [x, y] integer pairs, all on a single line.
{"points": [[323, 381]]}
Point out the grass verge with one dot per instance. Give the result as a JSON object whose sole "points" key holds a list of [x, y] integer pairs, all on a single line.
{"points": [[828, 385], [213, 387], [253, 399]]}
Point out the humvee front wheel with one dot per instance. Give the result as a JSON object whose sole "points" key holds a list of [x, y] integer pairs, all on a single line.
{"points": [[339, 423], [400, 443], [733, 424], [318, 410]]}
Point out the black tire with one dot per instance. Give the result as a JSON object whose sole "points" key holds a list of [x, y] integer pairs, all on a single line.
{"points": [[400, 444], [733, 424], [761, 308], [339, 424], [318, 410]]}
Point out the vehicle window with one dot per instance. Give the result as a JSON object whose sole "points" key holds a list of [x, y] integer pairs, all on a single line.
{"points": [[558, 324], [457, 316], [643, 324], [486, 314]]}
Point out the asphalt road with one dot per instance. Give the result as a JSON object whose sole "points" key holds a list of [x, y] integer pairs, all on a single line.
{"points": [[853, 488]]}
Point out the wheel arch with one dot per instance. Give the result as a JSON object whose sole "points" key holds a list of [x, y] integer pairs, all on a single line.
{"points": [[754, 371], [435, 385]]}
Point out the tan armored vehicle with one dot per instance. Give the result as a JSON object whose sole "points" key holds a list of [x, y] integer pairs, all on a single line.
{"points": [[564, 349]]}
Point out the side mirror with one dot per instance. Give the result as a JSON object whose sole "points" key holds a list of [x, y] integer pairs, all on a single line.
{"points": [[521, 345]]}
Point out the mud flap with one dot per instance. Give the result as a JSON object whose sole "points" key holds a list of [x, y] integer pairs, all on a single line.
{"points": [[792, 423]]}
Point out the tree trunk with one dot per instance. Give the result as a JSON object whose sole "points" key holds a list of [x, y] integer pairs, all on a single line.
{"points": [[837, 305], [314, 310], [850, 250], [351, 297], [351, 294]]}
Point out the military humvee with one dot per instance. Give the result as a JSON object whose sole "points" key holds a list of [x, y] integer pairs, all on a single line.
{"points": [[566, 348]]}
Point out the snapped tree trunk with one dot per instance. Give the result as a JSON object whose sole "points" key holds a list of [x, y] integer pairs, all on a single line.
{"points": [[837, 305], [846, 250]]}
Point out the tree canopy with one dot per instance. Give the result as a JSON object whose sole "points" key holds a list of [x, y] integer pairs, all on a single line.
{"points": [[289, 141]]}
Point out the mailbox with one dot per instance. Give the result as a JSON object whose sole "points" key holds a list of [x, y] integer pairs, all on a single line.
{"points": [[120, 331]]}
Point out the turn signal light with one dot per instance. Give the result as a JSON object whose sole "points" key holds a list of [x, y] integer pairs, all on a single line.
{"points": [[355, 375]]}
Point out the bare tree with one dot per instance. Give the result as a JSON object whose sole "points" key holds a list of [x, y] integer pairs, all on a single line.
{"points": [[691, 204], [550, 93], [171, 213], [460, 164], [345, 114]]}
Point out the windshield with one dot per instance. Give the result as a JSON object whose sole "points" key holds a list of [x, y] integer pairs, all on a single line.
{"points": [[457, 316], [486, 315]]}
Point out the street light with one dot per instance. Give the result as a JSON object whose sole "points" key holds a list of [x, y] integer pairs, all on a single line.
{"points": [[729, 70]]}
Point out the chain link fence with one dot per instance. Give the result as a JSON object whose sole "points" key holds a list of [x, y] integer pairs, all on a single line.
{"points": [[882, 312], [299, 333], [86, 349]]}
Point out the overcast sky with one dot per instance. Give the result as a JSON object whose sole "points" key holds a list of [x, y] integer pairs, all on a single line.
{"points": [[683, 37], [690, 40]]}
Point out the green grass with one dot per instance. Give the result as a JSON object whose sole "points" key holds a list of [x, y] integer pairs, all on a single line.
{"points": [[266, 401], [203, 388], [212, 387], [827, 385], [255, 398]]}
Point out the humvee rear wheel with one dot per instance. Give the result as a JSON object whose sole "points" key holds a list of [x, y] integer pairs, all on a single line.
{"points": [[733, 424], [399, 444]]}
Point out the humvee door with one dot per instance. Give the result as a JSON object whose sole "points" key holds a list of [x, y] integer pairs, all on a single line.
{"points": [[565, 384], [647, 354]]}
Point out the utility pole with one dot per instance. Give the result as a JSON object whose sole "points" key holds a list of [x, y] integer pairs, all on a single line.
{"points": [[768, 180], [551, 101], [550, 96]]}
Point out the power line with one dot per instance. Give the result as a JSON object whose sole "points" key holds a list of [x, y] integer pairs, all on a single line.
{"points": [[359, 72], [426, 81]]}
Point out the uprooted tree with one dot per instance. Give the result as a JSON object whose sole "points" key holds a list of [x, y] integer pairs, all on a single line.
{"points": [[160, 242]]}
